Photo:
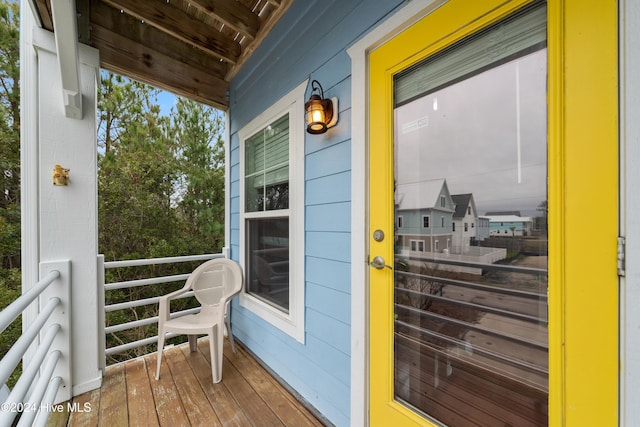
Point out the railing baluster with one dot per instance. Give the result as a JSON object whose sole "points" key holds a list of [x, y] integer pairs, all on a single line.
{"points": [[13, 356], [14, 309], [47, 401], [39, 390], [29, 373]]}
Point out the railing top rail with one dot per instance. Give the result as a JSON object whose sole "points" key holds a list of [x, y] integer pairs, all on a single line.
{"points": [[143, 282], [153, 261], [14, 309]]}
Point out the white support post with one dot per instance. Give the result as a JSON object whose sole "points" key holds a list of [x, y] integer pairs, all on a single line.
{"points": [[64, 224], [60, 288], [102, 339], [28, 158], [66, 35]]}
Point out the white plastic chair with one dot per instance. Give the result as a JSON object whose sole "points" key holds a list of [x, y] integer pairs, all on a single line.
{"points": [[214, 284]]}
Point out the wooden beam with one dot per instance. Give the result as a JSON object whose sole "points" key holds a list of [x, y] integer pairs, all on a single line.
{"points": [[123, 56], [44, 12], [66, 35], [84, 21], [155, 40], [174, 21], [231, 13]]}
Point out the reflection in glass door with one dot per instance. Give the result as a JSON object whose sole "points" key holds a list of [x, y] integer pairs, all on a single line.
{"points": [[470, 304]]}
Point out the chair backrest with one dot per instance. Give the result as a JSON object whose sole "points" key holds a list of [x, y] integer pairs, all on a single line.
{"points": [[216, 281]]}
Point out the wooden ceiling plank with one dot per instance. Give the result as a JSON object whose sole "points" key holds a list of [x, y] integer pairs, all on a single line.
{"points": [[84, 21], [265, 28], [170, 19], [146, 35], [121, 55], [231, 13]]}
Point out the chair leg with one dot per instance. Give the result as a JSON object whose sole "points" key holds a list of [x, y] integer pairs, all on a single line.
{"points": [[230, 335], [160, 348], [220, 345], [193, 343], [216, 357]]}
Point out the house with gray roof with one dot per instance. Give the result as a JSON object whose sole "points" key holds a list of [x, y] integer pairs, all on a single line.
{"points": [[510, 225], [424, 216], [464, 221]]}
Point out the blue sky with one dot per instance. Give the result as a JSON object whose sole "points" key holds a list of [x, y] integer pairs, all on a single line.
{"points": [[166, 100]]}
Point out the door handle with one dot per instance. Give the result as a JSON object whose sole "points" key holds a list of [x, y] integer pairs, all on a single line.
{"points": [[378, 263]]}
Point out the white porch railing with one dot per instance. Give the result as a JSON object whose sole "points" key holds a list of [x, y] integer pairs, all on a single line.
{"points": [[103, 266], [45, 380]]}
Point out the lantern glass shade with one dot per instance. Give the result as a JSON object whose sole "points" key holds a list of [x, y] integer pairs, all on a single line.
{"points": [[321, 113], [316, 116]]}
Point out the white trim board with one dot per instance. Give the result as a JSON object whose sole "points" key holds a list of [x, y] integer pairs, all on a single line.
{"points": [[629, 36]]}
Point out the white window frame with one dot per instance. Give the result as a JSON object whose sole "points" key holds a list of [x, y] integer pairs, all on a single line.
{"points": [[428, 217], [292, 323]]}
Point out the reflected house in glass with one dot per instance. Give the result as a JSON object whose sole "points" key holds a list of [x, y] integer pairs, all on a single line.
{"points": [[482, 228], [464, 221], [509, 224], [424, 216]]}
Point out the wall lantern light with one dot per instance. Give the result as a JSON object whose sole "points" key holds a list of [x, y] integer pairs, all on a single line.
{"points": [[321, 113]]}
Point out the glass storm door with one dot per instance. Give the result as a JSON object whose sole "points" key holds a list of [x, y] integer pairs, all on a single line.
{"points": [[458, 276]]}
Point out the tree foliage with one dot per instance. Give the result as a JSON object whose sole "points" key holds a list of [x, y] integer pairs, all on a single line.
{"points": [[9, 169], [9, 135]]}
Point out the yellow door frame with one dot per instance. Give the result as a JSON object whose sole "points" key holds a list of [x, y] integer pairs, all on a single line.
{"points": [[582, 200]]}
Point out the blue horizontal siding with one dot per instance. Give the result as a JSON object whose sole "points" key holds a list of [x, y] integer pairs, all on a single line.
{"points": [[328, 161], [330, 217], [329, 273], [329, 245], [329, 330], [329, 301], [329, 359], [340, 185]]}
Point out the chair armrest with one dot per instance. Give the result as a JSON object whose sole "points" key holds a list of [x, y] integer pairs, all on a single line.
{"points": [[163, 302], [227, 299]]}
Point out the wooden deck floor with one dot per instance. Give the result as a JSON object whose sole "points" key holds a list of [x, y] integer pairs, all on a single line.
{"points": [[186, 396]]}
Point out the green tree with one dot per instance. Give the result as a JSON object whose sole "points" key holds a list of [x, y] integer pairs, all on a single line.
{"points": [[9, 169], [9, 135], [137, 171], [198, 131]]}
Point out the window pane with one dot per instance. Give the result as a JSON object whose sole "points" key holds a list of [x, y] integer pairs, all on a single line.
{"points": [[268, 260], [267, 168], [277, 189], [254, 193]]}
